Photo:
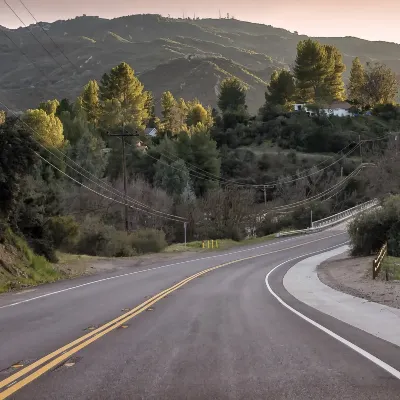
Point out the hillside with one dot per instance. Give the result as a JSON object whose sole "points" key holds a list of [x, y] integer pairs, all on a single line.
{"points": [[187, 57]]}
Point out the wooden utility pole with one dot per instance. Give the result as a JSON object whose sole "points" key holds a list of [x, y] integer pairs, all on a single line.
{"points": [[123, 135], [265, 195]]}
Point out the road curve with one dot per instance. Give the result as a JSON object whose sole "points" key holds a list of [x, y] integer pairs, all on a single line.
{"points": [[216, 333]]}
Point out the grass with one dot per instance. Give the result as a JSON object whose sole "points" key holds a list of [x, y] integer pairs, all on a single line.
{"points": [[21, 267], [392, 265], [223, 244]]}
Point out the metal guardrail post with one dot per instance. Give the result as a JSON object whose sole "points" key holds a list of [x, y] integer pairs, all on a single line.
{"points": [[377, 262]]}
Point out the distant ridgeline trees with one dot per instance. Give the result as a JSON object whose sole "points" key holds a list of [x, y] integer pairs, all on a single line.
{"points": [[317, 79], [202, 161]]}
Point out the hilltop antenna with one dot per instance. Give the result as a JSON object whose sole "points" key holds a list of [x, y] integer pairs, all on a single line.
{"points": [[219, 14], [194, 15]]}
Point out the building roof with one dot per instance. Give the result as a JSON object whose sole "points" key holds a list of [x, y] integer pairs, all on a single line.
{"points": [[150, 131], [344, 105]]}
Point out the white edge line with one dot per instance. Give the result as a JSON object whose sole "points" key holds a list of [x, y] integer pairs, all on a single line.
{"points": [[352, 346], [163, 266]]}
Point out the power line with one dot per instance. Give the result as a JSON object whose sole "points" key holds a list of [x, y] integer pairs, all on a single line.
{"points": [[113, 191], [23, 53], [30, 31], [43, 30], [98, 193], [319, 195]]}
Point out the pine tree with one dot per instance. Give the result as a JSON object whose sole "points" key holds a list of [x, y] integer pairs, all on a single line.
{"points": [[90, 102], [47, 128], [232, 95], [49, 106], [335, 88], [312, 66], [381, 85], [123, 97], [281, 89], [173, 112], [150, 108], [357, 82]]}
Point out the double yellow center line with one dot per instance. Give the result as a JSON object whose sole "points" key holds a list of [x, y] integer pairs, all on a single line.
{"points": [[14, 382]]}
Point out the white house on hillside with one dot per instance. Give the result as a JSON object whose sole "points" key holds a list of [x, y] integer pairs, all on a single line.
{"points": [[338, 109]]}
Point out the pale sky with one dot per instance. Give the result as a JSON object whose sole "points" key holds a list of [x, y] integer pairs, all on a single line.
{"points": [[368, 19]]}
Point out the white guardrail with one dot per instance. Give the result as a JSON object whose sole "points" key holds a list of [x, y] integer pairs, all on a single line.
{"points": [[333, 219]]}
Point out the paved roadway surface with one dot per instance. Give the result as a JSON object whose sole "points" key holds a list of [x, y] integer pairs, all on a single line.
{"points": [[221, 336]]}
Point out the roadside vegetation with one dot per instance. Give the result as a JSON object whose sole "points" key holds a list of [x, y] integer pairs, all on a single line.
{"points": [[61, 170], [370, 231]]}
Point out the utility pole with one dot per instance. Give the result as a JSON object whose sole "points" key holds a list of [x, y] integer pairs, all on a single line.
{"points": [[311, 220], [123, 135], [341, 172], [184, 227], [397, 141], [265, 195]]}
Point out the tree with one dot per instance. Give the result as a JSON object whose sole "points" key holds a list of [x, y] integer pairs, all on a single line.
{"points": [[232, 95], [357, 82], [197, 114], [174, 178], [123, 98], [17, 158], [334, 81], [312, 66], [152, 121], [90, 102], [88, 153], [281, 89], [47, 128], [173, 112], [381, 86], [65, 106], [50, 106], [205, 157]]}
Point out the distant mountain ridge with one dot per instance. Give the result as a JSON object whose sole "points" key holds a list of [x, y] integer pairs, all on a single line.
{"points": [[187, 57]]}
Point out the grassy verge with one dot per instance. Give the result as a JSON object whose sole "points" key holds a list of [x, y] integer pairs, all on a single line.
{"points": [[20, 267], [223, 244], [392, 265]]}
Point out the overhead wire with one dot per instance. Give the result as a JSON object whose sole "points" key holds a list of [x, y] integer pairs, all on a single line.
{"points": [[103, 185], [98, 193], [200, 175], [45, 32], [114, 191]]}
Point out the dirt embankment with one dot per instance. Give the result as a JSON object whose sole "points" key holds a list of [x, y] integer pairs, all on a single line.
{"points": [[354, 276]]}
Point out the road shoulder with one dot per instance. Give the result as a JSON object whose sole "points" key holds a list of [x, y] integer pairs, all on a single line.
{"points": [[302, 282]]}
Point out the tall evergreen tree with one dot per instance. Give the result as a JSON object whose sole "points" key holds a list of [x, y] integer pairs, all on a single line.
{"points": [[357, 82], [91, 102], [281, 89], [47, 128], [335, 88], [232, 95], [381, 85], [49, 106], [312, 66], [123, 97], [174, 113]]}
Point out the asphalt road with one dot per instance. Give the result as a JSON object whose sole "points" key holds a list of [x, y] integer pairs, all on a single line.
{"points": [[220, 335]]}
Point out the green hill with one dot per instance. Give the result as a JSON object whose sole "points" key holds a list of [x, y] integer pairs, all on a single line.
{"points": [[202, 51]]}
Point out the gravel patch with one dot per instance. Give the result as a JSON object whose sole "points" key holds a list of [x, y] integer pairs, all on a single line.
{"points": [[354, 276]]}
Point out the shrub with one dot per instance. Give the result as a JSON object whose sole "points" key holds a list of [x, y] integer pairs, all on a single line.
{"points": [[148, 241], [99, 239], [369, 231], [64, 230]]}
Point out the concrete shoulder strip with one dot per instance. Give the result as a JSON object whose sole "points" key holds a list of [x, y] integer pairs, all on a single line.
{"points": [[302, 282]]}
